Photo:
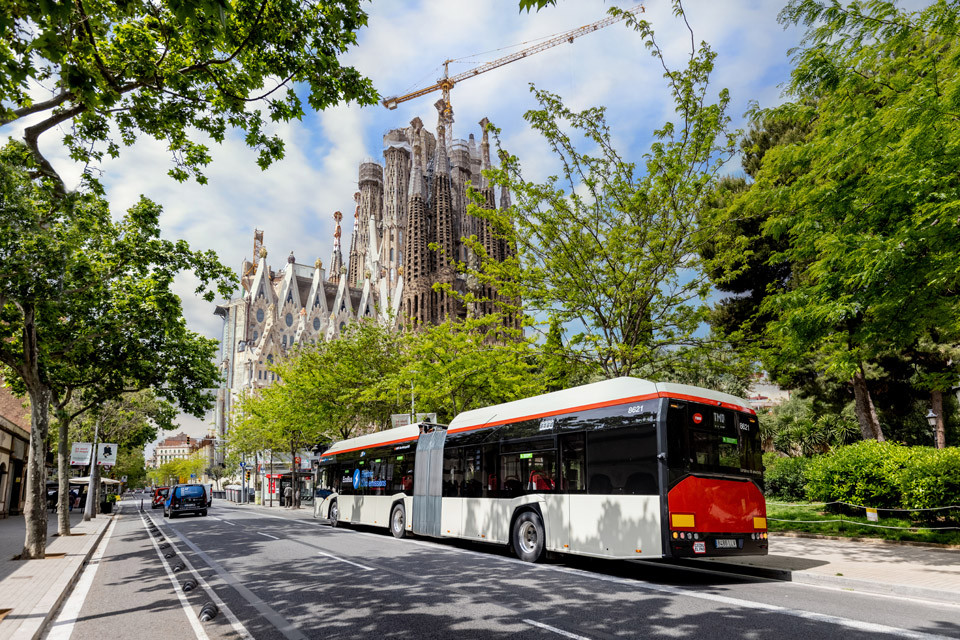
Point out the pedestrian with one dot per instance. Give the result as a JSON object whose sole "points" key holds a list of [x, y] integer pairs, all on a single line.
{"points": [[288, 496]]}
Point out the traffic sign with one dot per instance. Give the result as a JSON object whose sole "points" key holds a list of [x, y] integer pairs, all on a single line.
{"points": [[243, 465]]}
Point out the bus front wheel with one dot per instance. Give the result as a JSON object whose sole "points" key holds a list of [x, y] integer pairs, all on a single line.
{"points": [[333, 513], [528, 536], [398, 521]]}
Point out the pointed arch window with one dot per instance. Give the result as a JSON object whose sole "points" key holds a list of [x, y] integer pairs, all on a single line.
{"points": [[316, 324], [259, 315]]}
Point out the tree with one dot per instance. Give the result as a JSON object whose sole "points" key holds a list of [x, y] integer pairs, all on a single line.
{"points": [[86, 304], [609, 251], [172, 70], [865, 201], [461, 365]]}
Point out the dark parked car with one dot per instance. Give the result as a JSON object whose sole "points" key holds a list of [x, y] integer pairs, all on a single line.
{"points": [[186, 498], [159, 497]]}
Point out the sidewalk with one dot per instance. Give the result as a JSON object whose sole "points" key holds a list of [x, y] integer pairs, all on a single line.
{"points": [[928, 573], [32, 590], [872, 567]]}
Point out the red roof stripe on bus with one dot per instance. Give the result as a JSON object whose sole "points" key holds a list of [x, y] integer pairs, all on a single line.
{"points": [[585, 407], [725, 405], [373, 446], [547, 414]]}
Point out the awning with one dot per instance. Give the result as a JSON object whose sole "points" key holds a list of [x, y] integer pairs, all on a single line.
{"points": [[86, 480]]}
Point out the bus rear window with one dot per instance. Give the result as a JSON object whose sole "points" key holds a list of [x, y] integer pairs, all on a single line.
{"points": [[716, 440]]}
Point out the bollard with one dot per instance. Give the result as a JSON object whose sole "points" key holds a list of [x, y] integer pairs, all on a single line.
{"points": [[180, 567], [188, 586], [208, 612], [164, 545], [170, 555]]}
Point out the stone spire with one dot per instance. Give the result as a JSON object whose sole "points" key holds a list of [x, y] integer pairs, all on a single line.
{"points": [[355, 266], [443, 219], [416, 303], [336, 260]]}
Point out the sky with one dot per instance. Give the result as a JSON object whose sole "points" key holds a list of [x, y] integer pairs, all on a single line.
{"points": [[402, 48]]}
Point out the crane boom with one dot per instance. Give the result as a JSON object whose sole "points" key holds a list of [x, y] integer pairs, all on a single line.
{"points": [[447, 82]]}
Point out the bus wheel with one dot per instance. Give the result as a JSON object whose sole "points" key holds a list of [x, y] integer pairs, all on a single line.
{"points": [[333, 513], [528, 536], [398, 521]]}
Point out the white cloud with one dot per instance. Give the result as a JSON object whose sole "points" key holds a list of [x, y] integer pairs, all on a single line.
{"points": [[405, 42]]}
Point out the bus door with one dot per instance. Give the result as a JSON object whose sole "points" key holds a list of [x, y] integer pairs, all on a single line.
{"points": [[573, 484], [428, 480]]}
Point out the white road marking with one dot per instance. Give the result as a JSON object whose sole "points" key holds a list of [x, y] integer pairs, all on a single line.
{"points": [[213, 518], [330, 555], [565, 634], [187, 609], [283, 625], [232, 524], [266, 534], [641, 584], [234, 622], [62, 629]]}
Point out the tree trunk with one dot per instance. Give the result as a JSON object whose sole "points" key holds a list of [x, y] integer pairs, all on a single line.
{"points": [[865, 411], [35, 506], [293, 474], [936, 401], [63, 501]]}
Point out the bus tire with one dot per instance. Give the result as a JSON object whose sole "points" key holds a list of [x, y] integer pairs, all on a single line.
{"points": [[398, 521], [333, 513], [528, 536]]}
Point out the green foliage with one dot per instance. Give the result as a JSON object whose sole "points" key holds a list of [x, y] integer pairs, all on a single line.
{"points": [[784, 477], [172, 70], [865, 201], [867, 473], [932, 478], [798, 427], [607, 248], [458, 366]]}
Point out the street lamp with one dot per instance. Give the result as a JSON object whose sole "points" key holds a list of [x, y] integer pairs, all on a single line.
{"points": [[932, 421]]}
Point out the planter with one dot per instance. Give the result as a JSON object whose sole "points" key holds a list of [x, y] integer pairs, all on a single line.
{"points": [[106, 507]]}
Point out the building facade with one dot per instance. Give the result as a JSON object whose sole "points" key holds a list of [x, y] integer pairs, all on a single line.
{"points": [[14, 449], [416, 197]]}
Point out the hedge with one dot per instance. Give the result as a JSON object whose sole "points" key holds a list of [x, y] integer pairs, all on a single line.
{"points": [[784, 478], [885, 475]]}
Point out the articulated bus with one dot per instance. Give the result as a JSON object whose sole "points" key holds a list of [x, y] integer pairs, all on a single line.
{"points": [[623, 468]]}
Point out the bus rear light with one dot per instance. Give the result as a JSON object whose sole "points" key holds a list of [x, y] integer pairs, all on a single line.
{"points": [[638, 550], [682, 520], [759, 523], [675, 535]]}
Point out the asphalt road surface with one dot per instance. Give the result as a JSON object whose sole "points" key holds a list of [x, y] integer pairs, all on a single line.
{"points": [[273, 576]]}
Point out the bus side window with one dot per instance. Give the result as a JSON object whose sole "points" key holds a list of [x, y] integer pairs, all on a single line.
{"points": [[452, 472], [572, 476], [490, 479]]}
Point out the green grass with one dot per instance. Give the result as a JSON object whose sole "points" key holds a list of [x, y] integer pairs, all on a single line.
{"points": [[848, 525]]}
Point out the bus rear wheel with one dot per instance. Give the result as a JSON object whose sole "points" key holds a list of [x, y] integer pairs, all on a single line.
{"points": [[398, 521], [528, 536]]}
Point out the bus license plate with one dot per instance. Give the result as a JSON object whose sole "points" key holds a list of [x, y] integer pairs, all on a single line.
{"points": [[725, 543]]}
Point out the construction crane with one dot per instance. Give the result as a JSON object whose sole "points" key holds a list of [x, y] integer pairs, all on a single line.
{"points": [[447, 82]]}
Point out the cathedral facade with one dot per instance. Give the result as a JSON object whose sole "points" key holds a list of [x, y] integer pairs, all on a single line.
{"points": [[415, 198]]}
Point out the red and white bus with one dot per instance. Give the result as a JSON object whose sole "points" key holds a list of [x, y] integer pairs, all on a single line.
{"points": [[623, 468]]}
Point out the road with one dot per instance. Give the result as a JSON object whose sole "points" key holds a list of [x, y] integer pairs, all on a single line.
{"points": [[274, 575]]}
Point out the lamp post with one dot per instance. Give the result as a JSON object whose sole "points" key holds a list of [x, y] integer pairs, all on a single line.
{"points": [[932, 421]]}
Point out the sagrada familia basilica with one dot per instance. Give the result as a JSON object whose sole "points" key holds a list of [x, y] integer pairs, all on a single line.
{"points": [[415, 198]]}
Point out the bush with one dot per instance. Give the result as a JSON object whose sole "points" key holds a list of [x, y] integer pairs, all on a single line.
{"points": [[784, 477], [932, 479], [866, 473]]}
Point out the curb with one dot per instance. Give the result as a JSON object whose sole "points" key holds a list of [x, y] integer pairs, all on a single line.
{"points": [[67, 587], [902, 543], [819, 579]]}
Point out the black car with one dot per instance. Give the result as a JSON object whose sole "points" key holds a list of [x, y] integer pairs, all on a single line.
{"points": [[186, 498]]}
